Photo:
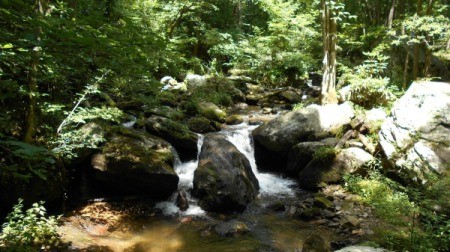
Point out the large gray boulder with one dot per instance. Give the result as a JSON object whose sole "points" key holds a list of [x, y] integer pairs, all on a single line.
{"points": [[179, 135], [416, 137], [224, 180], [133, 162], [329, 169], [273, 140]]}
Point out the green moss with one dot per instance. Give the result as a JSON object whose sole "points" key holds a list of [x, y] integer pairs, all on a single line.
{"points": [[324, 154]]}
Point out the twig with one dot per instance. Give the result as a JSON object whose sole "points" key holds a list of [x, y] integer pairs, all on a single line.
{"points": [[65, 121]]}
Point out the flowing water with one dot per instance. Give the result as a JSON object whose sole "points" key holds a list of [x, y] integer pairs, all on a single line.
{"points": [[190, 230]]}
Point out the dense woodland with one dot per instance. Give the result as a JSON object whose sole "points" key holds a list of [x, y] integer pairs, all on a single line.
{"points": [[67, 63]]}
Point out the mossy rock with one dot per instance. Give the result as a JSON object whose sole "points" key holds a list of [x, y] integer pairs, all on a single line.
{"points": [[212, 111], [165, 111], [134, 162], [234, 120], [200, 125], [178, 134]]}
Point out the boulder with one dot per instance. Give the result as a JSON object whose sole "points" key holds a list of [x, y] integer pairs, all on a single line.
{"points": [[415, 139], [327, 170], [300, 155], [201, 125], [224, 180], [274, 140], [133, 162], [179, 135], [211, 111]]}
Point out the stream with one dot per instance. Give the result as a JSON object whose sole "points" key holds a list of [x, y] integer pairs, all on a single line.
{"points": [[136, 226]]}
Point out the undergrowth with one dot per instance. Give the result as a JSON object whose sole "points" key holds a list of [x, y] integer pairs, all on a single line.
{"points": [[418, 218]]}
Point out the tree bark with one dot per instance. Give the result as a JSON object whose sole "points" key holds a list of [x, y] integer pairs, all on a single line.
{"points": [[329, 28], [391, 14], [30, 119], [428, 42], [416, 50]]}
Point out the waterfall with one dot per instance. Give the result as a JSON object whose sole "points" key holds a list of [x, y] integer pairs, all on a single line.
{"points": [[240, 136], [185, 171], [270, 184]]}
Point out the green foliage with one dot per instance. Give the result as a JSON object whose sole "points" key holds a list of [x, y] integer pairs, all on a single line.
{"points": [[367, 86], [30, 230], [419, 218], [21, 161]]}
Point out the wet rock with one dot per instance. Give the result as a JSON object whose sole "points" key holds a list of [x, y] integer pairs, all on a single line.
{"points": [[179, 135], [182, 201], [231, 228], [349, 222], [224, 180], [416, 137], [316, 243], [133, 162], [274, 140]]}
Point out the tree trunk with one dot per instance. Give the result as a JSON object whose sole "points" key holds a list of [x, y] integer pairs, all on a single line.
{"points": [[391, 14], [428, 42], [329, 28], [416, 51], [30, 119]]}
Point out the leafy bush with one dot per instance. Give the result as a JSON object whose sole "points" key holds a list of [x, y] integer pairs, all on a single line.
{"points": [[419, 218], [21, 161], [29, 230], [366, 85]]}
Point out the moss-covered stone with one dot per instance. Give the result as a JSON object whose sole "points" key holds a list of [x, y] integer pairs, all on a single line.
{"points": [[234, 119], [178, 134], [136, 162], [200, 125]]}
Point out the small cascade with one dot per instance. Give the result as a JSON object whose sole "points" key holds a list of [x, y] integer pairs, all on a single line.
{"points": [[270, 184], [185, 171], [240, 135]]}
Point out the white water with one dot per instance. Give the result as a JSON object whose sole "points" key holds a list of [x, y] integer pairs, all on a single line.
{"points": [[185, 172], [270, 184], [240, 136]]}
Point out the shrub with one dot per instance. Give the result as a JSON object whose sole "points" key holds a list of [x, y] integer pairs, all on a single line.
{"points": [[29, 230]]}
